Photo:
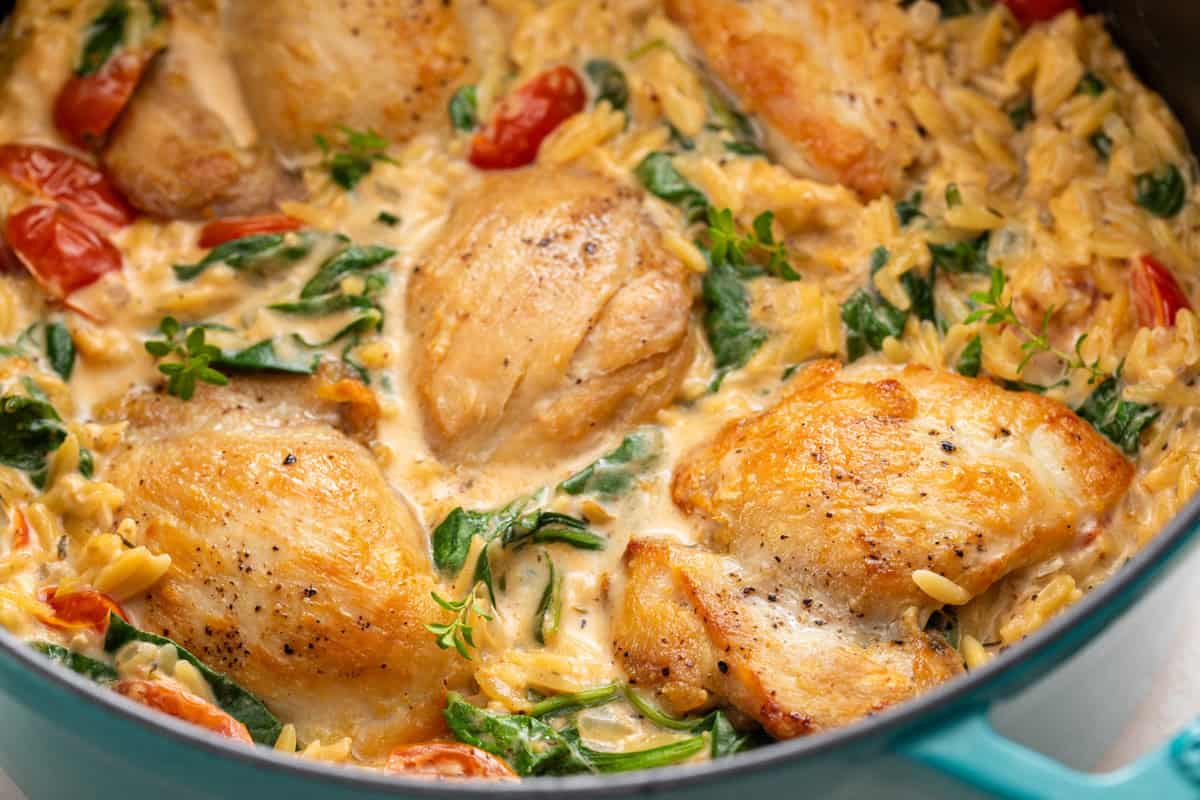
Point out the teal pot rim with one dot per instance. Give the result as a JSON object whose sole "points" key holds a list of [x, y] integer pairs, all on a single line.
{"points": [[1017, 667]]}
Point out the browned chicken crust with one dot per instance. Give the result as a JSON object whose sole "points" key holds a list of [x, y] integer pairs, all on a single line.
{"points": [[548, 312], [309, 66], [295, 569], [822, 76]]}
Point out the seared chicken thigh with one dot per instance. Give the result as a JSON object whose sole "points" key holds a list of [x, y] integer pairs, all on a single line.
{"points": [[173, 154], [308, 66], [295, 569], [549, 311], [823, 508], [823, 77]]}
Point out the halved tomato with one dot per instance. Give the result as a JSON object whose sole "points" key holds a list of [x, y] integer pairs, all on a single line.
{"points": [[526, 117], [1029, 12], [88, 105], [220, 231], [68, 181], [85, 608], [1157, 295], [447, 760], [183, 705], [61, 252]]}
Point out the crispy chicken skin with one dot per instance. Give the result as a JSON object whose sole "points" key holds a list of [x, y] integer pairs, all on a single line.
{"points": [[308, 66], [172, 155], [821, 508], [548, 311], [821, 75], [295, 569]]}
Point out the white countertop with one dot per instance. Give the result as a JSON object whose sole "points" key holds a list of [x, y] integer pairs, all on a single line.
{"points": [[1171, 705]]}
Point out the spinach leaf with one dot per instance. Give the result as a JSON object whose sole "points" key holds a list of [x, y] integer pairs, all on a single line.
{"points": [[1119, 420], [970, 359], [452, 537], [909, 208], [744, 148], [1021, 114], [1102, 143], [262, 357], [966, 256], [549, 611], [324, 305], [953, 195], [464, 108], [30, 430], [1162, 193], [731, 334], [359, 150], [633, 761], [1090, 84], [87, 462], [610, 82], [260, 254], [661, 179], [725, 739], [85, 666], [920, 293], [103, 37], [586, 698], [387, 218], [233, 699], [60, 350], [544, 527], [613, 474], [355, 258], [369, 320]]}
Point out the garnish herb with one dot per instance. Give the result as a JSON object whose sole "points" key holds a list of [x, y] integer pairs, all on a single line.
{"points": [[970, 359], [613, 474], [1102, 143], [549, 610], [259, 255], [726, 243], [87, 462], [1021, 114], [458, 633], [1162, 193], [357, 153], [661, 179], [609, 81], [60, 349], [194, 354], [967, 256], [1091, 84], [387, 218], [953, 195], [85, 666], [30, 430], [909, 208], [1121, 421], [235, 701], [464, 108]]}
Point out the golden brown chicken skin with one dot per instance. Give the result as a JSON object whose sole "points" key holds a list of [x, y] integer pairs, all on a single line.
{"points": [[820, 509], [309, 66], [548, 312], [173, 155], [822, 75], [295, 568]]}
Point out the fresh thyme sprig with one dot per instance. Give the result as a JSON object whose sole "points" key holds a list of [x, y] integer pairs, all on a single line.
{"points": [[358, 153], [195, 357], [458, 633]]}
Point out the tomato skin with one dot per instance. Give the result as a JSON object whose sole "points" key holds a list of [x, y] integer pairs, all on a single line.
{"points": [[1029, 12], [220, 231], [1157, 295], [183, 705], [447, 760], [85, 608], [61, 252], [88, 105], [69, 181], [526, 117]]}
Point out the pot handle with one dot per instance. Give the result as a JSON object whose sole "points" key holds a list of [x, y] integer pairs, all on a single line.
{"points": [[970, 749]]}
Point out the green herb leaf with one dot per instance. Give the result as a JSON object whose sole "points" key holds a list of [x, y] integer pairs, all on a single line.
{"points": [[661, 179], [909, 209], [613, 474], [967, 256], [355, 258], [588, 698], [869, 320], [661, 756], [1102, 144], [87, 462], [545, 527], [324, 305], [452, 537], [359, 150], [744, 148], [387, 218], [259, 255], [971, 358], [1162, 193], [920, 293], [609, 81], [725, 740], [549, 611], [60, 350], [233, 699], [464, 108], [103, 38], [953, 195], [731, 334], [1090, 84], [261, 357], [1021, 114], [30, 430], [1119, 420], [85, 666]]}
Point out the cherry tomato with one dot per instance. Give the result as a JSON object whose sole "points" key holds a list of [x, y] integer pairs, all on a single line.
{"points": [[1157, 296], [8, 259], [1029, 12], [85, 608], [69, 181], [183, 705], [61, 252], [220, 231], [20, 530], [88, 105], [526, 117], [447, 760]]}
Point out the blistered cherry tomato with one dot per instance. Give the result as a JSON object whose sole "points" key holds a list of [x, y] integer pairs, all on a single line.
{"points": [[85, 608], [220, 231], [183, 705], [88, 105], [526, 117], [1029, 12], [1157, 296], [8, 259], [61, 252], [447, 760], [69, 181]]}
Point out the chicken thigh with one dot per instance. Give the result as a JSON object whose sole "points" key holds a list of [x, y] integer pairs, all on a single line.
{"points": [[295, 568], [549, 311]]}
